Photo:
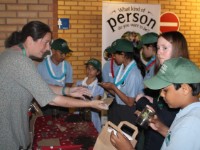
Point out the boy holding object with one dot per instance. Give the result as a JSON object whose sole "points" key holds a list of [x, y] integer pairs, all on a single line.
{"points": [[179, 80]]}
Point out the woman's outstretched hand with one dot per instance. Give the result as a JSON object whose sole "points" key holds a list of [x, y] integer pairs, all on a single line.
{"points": [[98, 104], [79, 92]]}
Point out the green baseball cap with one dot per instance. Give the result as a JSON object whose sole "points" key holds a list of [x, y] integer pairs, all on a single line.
{"points": [[121, 45], [95, 63], [109, 49], [61, 45], [175, 70], [149, 38]]}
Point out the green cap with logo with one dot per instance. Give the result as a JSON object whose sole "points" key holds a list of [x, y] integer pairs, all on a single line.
{"points": [[121, 45], [149, 38], [175, 70], [95, 63], [61, 45]]}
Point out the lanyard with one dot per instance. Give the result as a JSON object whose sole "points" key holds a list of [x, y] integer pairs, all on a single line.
{"points": [[22, 48], [52, 73], [112, 67], [151, 62], [120, 78]]}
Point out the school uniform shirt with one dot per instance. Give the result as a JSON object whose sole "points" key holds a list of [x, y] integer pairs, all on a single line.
{"points": [[150, 72], [130, 82], [166, 115], [185, 130], [106, 71], [132, 85], [96, 90], [20, 82], [56, 74]]}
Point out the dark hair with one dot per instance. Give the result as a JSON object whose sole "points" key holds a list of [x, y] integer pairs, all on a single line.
{"points": [[35, 29], [179, 46], [195, 88], [135, 55], [99, 76], [152, 44]]}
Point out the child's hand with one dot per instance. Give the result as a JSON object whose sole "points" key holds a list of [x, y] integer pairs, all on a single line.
{"points": [[120, 142], [107, 85], [155, 123], [158, 126], [137, 112]]}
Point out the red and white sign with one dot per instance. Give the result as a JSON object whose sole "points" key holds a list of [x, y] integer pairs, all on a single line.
{"points": [[169, 22]]}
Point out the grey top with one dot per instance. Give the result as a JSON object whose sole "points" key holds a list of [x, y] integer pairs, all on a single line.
{"points": [[20, 82]]}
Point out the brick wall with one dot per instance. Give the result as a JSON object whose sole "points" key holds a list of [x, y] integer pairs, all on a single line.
{"points": [[84, 35], [15, 13]]}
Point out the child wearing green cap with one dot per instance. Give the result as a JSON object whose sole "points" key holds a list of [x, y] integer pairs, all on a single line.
{"points": [[171, 44], [93, 71], [55, 70], [149, 47], [179, 81], [128, 81]]}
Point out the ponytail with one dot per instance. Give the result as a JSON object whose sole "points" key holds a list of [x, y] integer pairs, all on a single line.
{"points": [[13, 39], [34, 29], [136, 56]]}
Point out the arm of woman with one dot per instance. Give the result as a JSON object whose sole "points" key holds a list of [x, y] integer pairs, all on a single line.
{"points": [[32, 83], [72, 102], [73, 92]]}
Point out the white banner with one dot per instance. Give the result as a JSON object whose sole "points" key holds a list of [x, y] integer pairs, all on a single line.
{"points": [[120, 17]]}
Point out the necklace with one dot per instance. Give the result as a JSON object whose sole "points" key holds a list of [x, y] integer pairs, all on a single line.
{"points": [[121, 76], [52, 73], [22, 48]]}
